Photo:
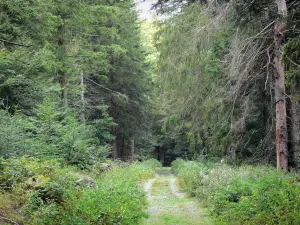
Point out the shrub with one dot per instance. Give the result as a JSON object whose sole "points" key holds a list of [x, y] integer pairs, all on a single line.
{"points": [[243, 195], [32, 188], [271, 196], [191, 174], [118, 199], [15, 171], [117, 202], [46, 214], [43, 192]]}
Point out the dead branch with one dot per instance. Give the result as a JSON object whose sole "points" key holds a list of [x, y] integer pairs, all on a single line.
{"points": [[114, 92], [9, 220], [14, 43]]}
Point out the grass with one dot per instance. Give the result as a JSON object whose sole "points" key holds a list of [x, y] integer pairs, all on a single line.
{"points": [[166, 208], [248, 195], [36, 192]]}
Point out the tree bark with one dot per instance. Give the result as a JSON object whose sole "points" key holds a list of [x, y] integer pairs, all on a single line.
{"points": [[290, 130], [280, 93], [296, 133]]}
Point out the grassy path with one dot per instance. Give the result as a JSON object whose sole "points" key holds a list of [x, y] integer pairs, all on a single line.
{"points": [[170, 206]]}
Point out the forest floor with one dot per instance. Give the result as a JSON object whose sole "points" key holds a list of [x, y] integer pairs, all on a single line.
{"points": [[168, 205]]}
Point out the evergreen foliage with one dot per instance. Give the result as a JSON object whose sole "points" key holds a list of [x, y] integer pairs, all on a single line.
{"points": [[77, 70], [216, 72]]}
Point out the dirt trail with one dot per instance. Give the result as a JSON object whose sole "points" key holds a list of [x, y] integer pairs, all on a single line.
{"points": [[170, 206]]}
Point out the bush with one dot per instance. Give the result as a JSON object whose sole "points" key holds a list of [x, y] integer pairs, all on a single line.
{"points": [[118, 200], [269, 195], [190, 174], [44, 192], [15, 171], [33, 188], [243, 195]]}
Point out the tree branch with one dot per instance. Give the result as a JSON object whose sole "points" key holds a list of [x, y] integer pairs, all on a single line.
{"points": [[9, 220], [14, 43], [114, 92]]}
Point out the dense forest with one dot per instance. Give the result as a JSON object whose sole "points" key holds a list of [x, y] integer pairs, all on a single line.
{"points": [[228, 75], [93, 98], [74, 80]]}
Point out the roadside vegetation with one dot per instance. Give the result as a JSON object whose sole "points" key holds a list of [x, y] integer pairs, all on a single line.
{"points": [[35, 192], [242, 194]]}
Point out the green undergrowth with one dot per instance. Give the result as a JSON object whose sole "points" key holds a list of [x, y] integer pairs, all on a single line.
{"points": [[242, 195], [34, 192]]}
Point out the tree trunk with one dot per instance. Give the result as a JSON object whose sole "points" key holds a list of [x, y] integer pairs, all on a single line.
{"points": [[280, 93], [296, 133], [117, 142], [290, 131], [82, 97], [293, 125], [115, 150], [161, 156], [121, 150], [64, 87], [132, 148]]}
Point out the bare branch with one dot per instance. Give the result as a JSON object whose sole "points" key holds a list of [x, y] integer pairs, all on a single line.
{"points": [[9, 220], [292, 61], [114, 92], [14, 43], [268, 64]]}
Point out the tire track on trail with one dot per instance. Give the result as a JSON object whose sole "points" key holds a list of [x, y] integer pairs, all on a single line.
{"points": [[167, 205]]}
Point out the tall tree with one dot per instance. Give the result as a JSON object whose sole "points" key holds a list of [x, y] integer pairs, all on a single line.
{"points": [[280, 93]]}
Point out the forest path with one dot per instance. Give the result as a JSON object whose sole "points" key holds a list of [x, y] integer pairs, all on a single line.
{"points": [[170, 206]]}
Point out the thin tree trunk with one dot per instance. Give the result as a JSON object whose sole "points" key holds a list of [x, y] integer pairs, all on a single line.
{"points": [[290, 131], [122, 152], [116, 151], [64, 86], [293, 123], [82, 97], [280, 93], [161, 156], [296, 133], [132, 148]]}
